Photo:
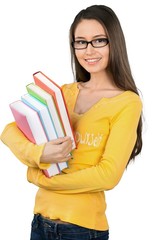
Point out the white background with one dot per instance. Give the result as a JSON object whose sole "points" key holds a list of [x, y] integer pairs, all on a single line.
{"points": [[34, 36]]}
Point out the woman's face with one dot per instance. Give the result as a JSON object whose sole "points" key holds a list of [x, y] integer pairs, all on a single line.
{"points": [[94, 60]]}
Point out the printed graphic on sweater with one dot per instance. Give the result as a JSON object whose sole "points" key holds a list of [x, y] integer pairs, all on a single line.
{"points": [[89, 139]]}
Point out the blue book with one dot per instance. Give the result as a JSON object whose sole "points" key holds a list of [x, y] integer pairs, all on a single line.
{"points": [[43, 113]]}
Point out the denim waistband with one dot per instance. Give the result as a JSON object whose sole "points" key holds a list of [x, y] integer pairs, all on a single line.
{"points": [[62, 228]]}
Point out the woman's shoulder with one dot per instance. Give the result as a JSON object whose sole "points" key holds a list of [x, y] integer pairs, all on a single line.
{"points": [[131, 102], [126, 101], [70, 88], [131, 97], [126, 97]]}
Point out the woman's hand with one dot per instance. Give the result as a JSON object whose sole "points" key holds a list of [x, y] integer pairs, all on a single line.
{"points": [[57, 151]]}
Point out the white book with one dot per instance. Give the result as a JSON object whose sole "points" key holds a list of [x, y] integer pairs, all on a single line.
{"points": [[53, 170]]}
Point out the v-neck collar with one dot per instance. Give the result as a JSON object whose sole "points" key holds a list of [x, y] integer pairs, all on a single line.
{"points": [[97, 103]]}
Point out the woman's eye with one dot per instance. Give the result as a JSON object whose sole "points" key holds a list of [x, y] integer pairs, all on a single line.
{"points": [[100, 40], [80, 42]]}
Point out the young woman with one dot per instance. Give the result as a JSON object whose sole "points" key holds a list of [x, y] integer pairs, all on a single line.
{"points": [[105, 110]]}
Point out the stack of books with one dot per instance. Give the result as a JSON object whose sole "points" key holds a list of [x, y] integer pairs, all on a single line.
{"points": [[41, 114]]}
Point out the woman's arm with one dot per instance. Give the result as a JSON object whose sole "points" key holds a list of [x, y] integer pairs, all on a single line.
{"points": [[106, 174], [26, 151], [33, 155]]}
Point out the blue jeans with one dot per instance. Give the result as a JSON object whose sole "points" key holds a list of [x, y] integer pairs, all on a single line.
{"points": [[45, 229]]}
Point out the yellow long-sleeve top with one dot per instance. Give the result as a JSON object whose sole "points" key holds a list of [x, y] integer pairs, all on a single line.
{"points": [[105, 137]]}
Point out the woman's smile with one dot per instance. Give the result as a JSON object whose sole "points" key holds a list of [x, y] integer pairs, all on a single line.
{"points": [[93, 60]]}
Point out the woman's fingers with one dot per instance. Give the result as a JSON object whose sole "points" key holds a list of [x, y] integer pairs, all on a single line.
{"points": [[57, 150]]}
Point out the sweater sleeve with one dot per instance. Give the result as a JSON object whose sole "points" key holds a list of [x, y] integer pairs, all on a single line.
{"points": [[26, 151], [107, 173]]}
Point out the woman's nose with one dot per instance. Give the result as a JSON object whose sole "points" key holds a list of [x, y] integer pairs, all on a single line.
{"points": [[89, 49]]}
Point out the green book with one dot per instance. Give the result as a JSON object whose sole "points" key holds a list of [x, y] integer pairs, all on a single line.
{"points": [[48, 100]]}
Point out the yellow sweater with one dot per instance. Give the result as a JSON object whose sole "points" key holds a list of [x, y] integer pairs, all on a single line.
{"points": [[105, 137]]}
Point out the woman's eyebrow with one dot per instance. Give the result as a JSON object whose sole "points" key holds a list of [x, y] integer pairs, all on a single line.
{"points": [[96, 36]]}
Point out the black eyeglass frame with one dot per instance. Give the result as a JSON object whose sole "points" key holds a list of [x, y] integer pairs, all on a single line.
{"points": [[91, 42]]}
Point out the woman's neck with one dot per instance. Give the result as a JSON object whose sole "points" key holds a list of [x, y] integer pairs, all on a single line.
{"points": [[100, 81]]}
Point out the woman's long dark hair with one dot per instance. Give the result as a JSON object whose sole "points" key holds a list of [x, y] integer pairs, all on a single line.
{"points": [[118, 58]]}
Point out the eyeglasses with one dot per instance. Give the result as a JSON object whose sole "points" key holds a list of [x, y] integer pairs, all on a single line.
{"points": [[96, 43]]}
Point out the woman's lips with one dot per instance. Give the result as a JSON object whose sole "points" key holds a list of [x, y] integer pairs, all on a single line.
{"points": [[92, 60]]}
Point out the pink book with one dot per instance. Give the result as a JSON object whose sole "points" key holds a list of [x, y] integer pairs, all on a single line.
{"points": [[28, 121]]}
